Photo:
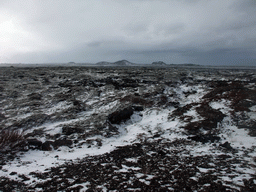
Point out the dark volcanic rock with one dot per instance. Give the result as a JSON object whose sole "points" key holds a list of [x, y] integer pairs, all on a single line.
{"points": [[236, 91], [120, 83], [138, 108], [11, 185], [34, 144], [47, 145], [68, 130], [66, 84], [2, 117], [35, 96], [205, 138], [180, 110], [127, 151], [120, 115], [226, 145], [83, 101], [33, 120], [211, 119], [62, 142], [78, 106], [14, 94], [213, 116], [137, 100], [113, 171], [1, 89], [63, 96]]}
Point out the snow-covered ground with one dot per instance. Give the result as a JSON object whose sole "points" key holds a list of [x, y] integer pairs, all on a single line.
{"points": [[172, 119]]}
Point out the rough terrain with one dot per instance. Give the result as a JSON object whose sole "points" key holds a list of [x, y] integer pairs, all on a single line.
{"points": [[127, 129]]}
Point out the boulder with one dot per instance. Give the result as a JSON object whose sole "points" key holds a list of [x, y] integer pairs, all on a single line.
{"points": [[68, 130], [35, 96], [226, 145], [47, 146], [120, 115], [34, 144], [62, 142]]}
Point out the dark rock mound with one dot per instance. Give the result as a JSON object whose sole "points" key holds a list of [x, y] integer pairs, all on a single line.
{"points": [[33, 120], [180, 110], [136, 100], [1, 88], [211, 118], [35, 96], [120, 115], [2, 117], [34, 144], [127, 151], [62, 142], [241, 97], [119, 83], [212, 115], [205, 138], [62, 96], [67, 84], [78, 106], [49, 145], [68, 130], [226, 145], [138, 108]]}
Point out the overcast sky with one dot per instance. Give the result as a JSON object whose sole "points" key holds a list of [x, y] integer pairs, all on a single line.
{"points": [[207, 32]]}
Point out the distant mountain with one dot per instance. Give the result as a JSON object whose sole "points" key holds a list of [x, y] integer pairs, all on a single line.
{"points": [[155, 63], [159, 63], [117, 63], [189, 64], [103, 63], [123, 62]]}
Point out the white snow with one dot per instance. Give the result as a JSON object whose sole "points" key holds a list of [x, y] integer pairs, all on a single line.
{"points": [[84, 185], [58, 107], [142, 124], [237, 137], [153, 120], [222, 105]]}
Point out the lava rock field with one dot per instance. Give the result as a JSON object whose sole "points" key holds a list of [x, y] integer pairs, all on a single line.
{"points": [[127, 129]]}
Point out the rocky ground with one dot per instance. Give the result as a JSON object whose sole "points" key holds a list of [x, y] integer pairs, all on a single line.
{"points": [[127, 129]]}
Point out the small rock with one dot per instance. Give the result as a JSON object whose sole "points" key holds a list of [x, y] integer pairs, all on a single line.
{"points": [[226, 145], [13, 173]]}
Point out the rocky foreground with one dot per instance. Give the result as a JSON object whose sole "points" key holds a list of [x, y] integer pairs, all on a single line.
{"points": [[127, 129]]}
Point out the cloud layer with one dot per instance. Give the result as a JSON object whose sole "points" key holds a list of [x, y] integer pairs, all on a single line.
{"points": [[142, 31]]}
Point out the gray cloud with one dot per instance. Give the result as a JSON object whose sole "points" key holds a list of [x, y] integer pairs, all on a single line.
{"points": [[136, 28], [186, 31]]}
